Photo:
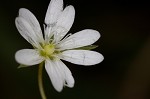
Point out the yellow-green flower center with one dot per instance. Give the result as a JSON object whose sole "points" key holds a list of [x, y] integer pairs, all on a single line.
{"points": [[48, 50]]}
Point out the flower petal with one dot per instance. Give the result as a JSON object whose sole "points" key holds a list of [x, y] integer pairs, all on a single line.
{"points": [[82, 57], [31, 19], [67, 75], [80, 39], [55, 74], [28, 57], [64, 22], [53, 12], [27, 31]]}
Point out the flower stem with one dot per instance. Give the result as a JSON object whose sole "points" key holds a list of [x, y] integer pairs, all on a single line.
{"points": [[40, 81]]}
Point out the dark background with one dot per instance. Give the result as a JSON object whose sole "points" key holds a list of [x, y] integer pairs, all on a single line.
{"points": [[125, 43]]}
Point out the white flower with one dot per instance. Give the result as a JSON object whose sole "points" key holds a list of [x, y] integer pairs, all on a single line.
{"points": [[56, 45]]}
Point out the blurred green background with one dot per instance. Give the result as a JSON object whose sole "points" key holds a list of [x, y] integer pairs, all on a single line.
{"points": [[125, 43]]}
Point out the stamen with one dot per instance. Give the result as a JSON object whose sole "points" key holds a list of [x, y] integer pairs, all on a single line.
{"points": [[48, 32]]}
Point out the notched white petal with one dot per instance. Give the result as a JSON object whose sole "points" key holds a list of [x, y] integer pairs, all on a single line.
{"points": [[67, 17], [67, 75], [28, 57], [59, 74], [31, 19], [55, 74], [27, 31], [80, 39], [82, 57], [65, 21], [53, 12]]}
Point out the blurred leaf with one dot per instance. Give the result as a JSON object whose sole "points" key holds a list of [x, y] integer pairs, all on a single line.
{"points": [[89, 47]]}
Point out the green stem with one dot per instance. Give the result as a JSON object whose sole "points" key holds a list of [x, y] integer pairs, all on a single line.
{"points": [[40, 81]]}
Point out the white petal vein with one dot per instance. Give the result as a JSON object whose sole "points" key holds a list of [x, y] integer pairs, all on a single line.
{"points": [[82, 57]]}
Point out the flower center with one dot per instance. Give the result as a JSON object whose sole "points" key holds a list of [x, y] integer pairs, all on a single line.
{"points": [[48, 50]]}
